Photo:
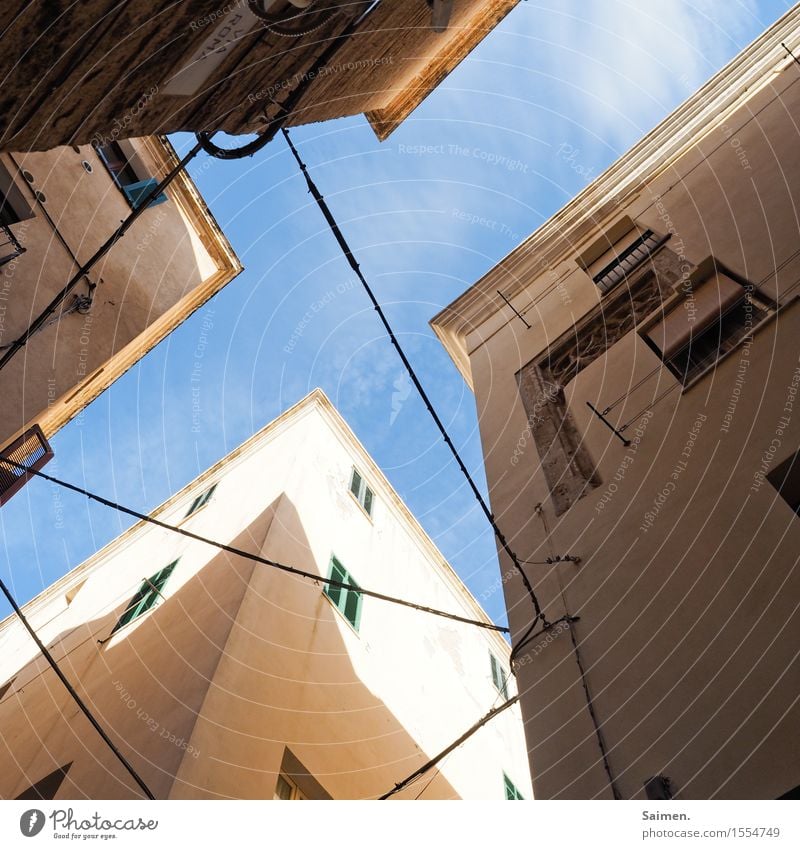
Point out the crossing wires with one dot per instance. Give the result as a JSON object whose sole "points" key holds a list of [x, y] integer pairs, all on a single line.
{"points": [[264, 561], [539, 615]]}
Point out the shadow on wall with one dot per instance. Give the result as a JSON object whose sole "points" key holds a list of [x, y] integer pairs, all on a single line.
{"points": [[205, 693]]}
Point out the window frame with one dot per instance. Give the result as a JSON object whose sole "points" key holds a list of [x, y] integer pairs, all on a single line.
{"points": [[339, 597], [499, 675], [146, 597], [367, 504], [295, 793], [127, 178], [12, 202], [687, 377], [625, 261]]}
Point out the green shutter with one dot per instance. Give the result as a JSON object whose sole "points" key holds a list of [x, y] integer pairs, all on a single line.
{"points": [[368, 500], [355, 484], [338, 574], [499, 677], [201, 500], [146, 596], [511, 791], [352, 607], [348, 601], [193, 506]]}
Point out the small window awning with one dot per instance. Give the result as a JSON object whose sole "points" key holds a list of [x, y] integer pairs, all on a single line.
{"points": [[706, 305]]}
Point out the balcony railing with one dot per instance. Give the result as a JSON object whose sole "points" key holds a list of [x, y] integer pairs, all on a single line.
{"points": [[628, 260], [9, 245], [31, 450]]}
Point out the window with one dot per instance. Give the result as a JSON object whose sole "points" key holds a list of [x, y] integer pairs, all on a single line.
{"points": [[13, 207], [713, 317], [148, 594], [499, 676], [47, 787], [623, 248], [296, 782], [627, 260], [786, 479], [287, 789], [124, 174], [201, 500], [511, 789], [363, 494], [348, 602]]}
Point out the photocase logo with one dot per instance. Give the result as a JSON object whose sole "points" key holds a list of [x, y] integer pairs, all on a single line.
{"points": [[31, 822]]}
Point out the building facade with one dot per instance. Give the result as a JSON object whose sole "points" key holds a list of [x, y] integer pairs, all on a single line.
{"points": [[209, 66], [56, 209], [219, 677], [638, 406]]}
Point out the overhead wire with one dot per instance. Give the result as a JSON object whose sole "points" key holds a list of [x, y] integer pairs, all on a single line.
{"points": [[265, 561], [401, 785], [74, 695], [596, 725], [338, 235], [288, 107]]}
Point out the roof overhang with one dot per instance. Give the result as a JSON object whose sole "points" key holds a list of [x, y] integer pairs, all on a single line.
{"points": [[566, 232]]}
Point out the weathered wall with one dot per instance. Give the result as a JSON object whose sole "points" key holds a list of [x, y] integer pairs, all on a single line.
{"points": [[104, 71], [171, 260], [687, 587]]}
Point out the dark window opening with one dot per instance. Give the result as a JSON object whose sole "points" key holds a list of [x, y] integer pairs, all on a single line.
{"points": [[786, 479], [126, 177], [628, 260], [296, 782], [658, 787], [47, 787], [722, 337], [717, 311]]}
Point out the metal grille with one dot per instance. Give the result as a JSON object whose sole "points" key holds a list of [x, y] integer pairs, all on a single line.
{"points": [[31, 449], [632, 257], [9, 245]]}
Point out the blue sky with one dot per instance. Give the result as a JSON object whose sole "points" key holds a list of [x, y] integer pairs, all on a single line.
{"points": [[594, 75]]}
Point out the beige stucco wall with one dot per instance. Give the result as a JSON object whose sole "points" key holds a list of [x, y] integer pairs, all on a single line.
{"points": [[241, 661], [172, 259], [688, 628]]}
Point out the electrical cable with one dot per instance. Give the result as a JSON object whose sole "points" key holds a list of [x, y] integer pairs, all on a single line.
{"points": [[286, 108], [81, 304], [489, 626], [328, 215], [581, 671], [75, 697], [277, 24], [445, 752], [83, 271], [650, 406], [203, 142]]}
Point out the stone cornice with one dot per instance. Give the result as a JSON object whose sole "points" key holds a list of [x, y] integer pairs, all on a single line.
{"points": [[563, 234]]}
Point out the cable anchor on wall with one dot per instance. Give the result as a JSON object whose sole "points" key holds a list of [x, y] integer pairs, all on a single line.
{"points": [[607, 423]]}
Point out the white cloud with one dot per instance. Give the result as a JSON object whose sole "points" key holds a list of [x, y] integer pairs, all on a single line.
{"points": [[620, 66]]}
